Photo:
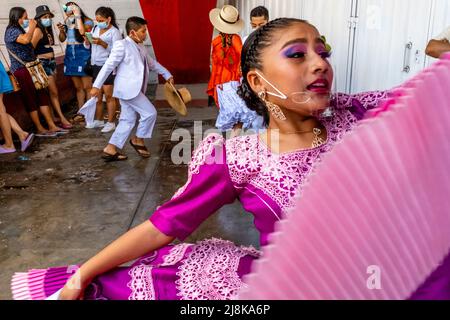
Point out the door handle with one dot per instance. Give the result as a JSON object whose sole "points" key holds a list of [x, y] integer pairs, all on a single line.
{"points": [[407, 57]]}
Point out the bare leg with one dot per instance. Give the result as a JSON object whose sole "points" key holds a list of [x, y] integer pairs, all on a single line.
{"points": [[117, 104], [236, 129], [99, 108], [87, 86], [35, 118], [17, 129], [5, 125], [110, 102], [54, 97], [81, 95], [45, 110]]}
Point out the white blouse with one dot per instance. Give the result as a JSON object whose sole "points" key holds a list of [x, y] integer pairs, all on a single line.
{"points": [[99, 55]]}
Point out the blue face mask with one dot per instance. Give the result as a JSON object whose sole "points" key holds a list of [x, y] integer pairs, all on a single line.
{"points": [[67, 9], [46, 22], [25, 24], [102, 25]]}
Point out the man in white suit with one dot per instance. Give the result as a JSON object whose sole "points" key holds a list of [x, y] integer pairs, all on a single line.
{"points": [[133, 64]]}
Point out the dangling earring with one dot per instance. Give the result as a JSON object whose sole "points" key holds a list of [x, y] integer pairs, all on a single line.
{"points": [[272, 107]]}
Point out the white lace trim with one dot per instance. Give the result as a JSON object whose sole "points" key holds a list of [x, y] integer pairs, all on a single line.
{"points": [[280, 176], [141, 283], [210, 270], [176, 254]]}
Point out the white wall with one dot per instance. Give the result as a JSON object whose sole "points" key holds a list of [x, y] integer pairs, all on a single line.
{"points": [[368, 36], [277, 9]]}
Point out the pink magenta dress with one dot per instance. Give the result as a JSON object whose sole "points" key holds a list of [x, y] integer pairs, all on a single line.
{"points": [[220, 172]]}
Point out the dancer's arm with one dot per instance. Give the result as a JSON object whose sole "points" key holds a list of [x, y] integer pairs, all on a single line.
{"points": [[133, 244], [209, 187], [436, 48]]}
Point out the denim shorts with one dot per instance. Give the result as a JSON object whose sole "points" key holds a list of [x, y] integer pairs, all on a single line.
{"points": [[75, 60], [49, 66]]}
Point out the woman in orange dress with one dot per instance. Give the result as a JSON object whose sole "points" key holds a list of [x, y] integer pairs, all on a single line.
{"points": [[226, 48], [226, 57]]}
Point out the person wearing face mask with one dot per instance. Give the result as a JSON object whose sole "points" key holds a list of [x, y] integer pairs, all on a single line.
{"points": [[43, 40], [267, 177], [104, 34], [133, 64], [264, 176], [76, 24], [19, 45]]}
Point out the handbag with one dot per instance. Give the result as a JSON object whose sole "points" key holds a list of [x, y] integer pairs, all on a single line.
{"points": [[12, 78], [36, 70], [14, 82]]}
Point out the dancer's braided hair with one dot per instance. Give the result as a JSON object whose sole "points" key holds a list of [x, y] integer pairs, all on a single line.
{"points": [[251, 59]]}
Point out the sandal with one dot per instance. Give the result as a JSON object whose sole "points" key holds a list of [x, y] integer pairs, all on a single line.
{"points": [[114, 157], [139, 148], [27, 142], [78, 118], [61, 132], [3, 150], [46, 134]]}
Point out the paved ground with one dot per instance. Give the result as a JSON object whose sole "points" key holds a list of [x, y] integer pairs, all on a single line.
{"points": [[64, 204]]}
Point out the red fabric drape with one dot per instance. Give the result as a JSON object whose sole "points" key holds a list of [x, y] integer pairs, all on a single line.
{"points": [[181, 35]]}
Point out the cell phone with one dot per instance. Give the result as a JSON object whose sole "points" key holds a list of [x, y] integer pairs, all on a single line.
{"points": [[89, 37]]}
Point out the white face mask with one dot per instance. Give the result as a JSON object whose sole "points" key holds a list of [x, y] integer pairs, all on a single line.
{"points": [[136, 38], [300, 97], [46, 22]]}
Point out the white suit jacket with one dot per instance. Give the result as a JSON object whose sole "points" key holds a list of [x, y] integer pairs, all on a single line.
{"points": [[125, 56]]}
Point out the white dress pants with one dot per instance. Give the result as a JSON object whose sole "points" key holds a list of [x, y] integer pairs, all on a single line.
{"points": [[128, 115]]}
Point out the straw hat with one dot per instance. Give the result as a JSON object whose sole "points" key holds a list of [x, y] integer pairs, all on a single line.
{"points": [[226, 20], [177, 98]]}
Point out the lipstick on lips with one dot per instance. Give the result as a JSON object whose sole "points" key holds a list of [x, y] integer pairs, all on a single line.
{"points": [[320, 86]]}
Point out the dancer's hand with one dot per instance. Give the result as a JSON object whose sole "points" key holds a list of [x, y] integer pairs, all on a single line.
{"points": [[95, 92], [71, 294], [171, 81], [74, 288]]}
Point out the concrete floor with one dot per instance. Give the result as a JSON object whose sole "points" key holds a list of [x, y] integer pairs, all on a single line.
{"points": [[65, 203]]}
